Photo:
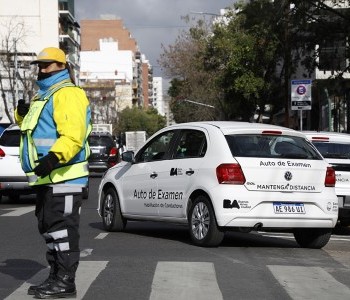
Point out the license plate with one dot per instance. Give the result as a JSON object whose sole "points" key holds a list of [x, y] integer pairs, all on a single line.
{"points": [[288, 208], [95, 151]]}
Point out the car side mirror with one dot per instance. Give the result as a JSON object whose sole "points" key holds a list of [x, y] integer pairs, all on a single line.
{"points": [[128, 156]]}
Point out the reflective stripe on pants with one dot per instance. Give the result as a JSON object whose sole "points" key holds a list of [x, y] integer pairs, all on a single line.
{"points": [[58, 221]]}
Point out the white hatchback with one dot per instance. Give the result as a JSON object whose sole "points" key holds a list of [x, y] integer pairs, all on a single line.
{"points": [[13, 181], [219, 176], [335, 148]]}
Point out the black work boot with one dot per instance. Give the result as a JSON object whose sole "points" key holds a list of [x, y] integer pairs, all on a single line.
{"points": [[44, 284], [61, 287]]}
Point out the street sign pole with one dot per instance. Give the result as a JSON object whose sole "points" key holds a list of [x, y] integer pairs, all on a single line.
{"points": [[301, 97]]}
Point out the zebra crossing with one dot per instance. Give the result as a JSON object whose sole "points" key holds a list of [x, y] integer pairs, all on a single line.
{"points": [[183, 280], [197, 280]]}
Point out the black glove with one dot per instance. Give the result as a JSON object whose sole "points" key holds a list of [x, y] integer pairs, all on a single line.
{"points": [[22, 107], [46, 164]]}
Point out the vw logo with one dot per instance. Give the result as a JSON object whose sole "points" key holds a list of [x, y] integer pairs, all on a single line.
{"points": [[288, 176]]}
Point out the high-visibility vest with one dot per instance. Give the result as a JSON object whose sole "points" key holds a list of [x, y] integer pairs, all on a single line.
{"points": [[62, 172]]}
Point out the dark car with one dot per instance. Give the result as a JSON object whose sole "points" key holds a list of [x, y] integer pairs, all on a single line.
{"points": [[104, 152]]}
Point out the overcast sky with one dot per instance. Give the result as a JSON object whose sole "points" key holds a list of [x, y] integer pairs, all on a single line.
{"points": [[151, 22]]}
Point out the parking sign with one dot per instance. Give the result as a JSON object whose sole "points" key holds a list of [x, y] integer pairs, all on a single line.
{"points": [[301, 94]]}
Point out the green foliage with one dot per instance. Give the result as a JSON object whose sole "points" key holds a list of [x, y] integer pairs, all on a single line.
{"points": [[247, 61], [136, 119]]}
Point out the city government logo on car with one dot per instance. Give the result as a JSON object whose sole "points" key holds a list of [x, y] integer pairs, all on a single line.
{"points": [[215, 177]]}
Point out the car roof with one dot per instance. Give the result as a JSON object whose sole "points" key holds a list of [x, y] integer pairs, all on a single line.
{"points": [[237, 126], [327, 136]]}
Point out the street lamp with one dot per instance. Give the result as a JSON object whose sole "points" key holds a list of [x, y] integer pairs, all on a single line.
{"points": [[205, 13], [198, 103]]}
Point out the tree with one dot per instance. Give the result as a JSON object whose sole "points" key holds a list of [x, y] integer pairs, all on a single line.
{"points": [[251, 58], [136, 119], [184, 62], [16, 75]]}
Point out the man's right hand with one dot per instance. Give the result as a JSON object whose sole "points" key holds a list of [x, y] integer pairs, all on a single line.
{"points": [[22, 107]]}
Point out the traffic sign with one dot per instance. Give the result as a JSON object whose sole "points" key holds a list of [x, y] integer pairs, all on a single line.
{"points": [[301, 94]]}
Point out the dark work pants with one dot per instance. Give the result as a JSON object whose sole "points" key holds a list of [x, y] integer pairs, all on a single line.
{"points": [[58, 221]]}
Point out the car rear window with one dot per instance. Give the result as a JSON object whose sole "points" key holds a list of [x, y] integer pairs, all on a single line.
{"points": [[271, 146], [333, 150], [10, 138], [100, 141]]}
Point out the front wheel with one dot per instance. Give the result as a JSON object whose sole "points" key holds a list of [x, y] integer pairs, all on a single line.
{"points": [[314, 238], [202, 224], [111, 214]]}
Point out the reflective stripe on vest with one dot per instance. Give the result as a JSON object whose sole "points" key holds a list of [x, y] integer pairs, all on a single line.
{"points": [[60, 174]]}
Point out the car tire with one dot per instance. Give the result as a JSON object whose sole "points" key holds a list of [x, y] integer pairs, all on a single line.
{"points": [[13, 198], [314, 238], [111, 214], [203, 228]]}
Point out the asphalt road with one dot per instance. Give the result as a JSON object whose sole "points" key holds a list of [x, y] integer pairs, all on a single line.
{"points": [[156, 261]]}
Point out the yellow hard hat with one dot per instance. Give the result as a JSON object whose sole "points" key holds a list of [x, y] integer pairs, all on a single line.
{"points": [[50, 54]]}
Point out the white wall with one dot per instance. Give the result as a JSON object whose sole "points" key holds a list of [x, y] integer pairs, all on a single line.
{"points": [[40, 18], [108, 63]]}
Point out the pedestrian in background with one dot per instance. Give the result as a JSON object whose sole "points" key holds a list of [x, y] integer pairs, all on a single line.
{"points": [[54, 153]]}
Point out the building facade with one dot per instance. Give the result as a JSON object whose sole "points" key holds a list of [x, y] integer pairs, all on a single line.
{"points": [[26, 27], [113, 29], [107, 76]]}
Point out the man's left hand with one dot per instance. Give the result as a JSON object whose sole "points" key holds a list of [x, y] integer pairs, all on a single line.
{"points": [[46, 164]]}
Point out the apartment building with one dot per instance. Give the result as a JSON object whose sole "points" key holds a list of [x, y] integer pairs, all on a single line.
{"points": [[92, 31], [26, 27]]}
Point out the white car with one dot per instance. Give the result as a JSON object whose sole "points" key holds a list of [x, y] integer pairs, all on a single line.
{"points": [[219, 176], [13, 181], [335, 148]]}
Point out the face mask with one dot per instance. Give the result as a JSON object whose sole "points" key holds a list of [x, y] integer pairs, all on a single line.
{"points": [[42, 76]]}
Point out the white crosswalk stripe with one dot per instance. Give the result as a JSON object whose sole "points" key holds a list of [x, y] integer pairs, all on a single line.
{"points": [[86, 274], [197, 280], [302, 283], [18, 211], [185, 280]]}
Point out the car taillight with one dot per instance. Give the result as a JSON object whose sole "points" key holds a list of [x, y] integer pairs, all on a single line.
{"points": [[113, 152], [330, 177], [2, 153], [230, 174], [113, 155]]}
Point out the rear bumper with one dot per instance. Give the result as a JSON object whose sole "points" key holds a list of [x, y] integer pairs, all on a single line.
{"points": [[237, 208], [282, 222], [14, 183], [98, 166]]}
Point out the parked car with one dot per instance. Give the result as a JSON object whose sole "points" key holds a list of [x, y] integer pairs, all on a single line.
{"points": [[220, 176], [13, 181], [335, 148], [104, 153]]}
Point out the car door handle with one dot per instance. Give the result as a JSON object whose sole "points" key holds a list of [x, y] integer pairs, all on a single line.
{"points": [[189, 172], [153, 175]]}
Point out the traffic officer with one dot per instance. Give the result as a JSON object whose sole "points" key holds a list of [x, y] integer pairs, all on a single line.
{"points": [[54, 153]]}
